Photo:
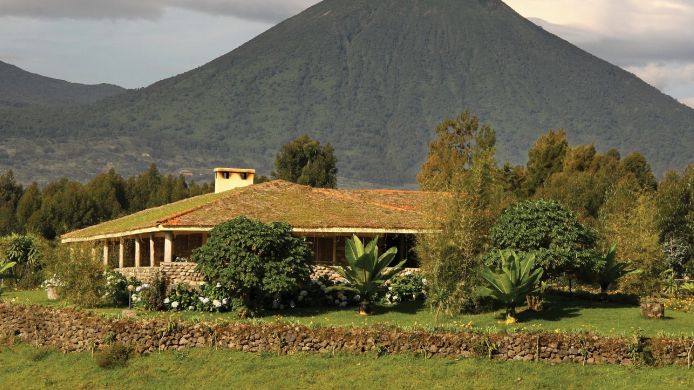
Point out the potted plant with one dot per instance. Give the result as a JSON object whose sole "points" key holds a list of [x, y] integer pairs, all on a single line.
{"points": [[51, 286]]}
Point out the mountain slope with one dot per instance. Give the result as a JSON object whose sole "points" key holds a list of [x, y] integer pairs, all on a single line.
{"points": [[373, 78], [20, 88]]}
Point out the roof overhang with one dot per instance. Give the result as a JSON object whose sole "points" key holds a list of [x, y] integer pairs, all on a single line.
{"points": [[202, 229]]}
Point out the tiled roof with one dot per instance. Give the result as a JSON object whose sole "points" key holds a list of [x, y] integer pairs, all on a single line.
{"points": [[301, 206]]}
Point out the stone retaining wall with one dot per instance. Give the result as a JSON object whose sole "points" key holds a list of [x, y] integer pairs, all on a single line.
{"points": [[73, 330]]}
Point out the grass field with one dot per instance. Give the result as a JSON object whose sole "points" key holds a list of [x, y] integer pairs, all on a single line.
{"points": [[561, 313], [24, 367]]}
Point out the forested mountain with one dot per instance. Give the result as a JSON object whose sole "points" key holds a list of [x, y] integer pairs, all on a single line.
{"points": [[371, 77], [19, 88]]}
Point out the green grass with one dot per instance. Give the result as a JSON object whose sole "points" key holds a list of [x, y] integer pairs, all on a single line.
{"points": [[24, 367], [560, 314]]}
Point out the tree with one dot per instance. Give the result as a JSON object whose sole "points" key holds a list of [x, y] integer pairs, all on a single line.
{"points": [[545, 228], [305, 162], [257, 262], [675, 202], [462, 161], [10, 193], [636, 164], [28, 206], [545, 158], [518, 278], [366, 272], [109, 193], [629, 221]]}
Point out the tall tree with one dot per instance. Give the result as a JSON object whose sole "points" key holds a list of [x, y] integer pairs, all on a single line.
{"points": [[109, 193], [305, 161], [10, 192], [636, 164], [29, 205], [545, 158]]}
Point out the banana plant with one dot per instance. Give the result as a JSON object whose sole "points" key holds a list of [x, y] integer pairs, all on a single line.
{"points": [[518, 278], [4, 267], [367, 271], [612, 271]]}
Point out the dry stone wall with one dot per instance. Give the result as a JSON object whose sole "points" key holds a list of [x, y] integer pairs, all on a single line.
{"points": [[73, 330]]}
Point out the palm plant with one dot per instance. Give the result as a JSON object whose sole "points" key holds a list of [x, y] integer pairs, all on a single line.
{"points": [[518, 278], [367, 271], [612, 271]]}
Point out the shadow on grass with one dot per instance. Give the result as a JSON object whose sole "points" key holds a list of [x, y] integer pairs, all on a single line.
{"points": [[411, 308]]}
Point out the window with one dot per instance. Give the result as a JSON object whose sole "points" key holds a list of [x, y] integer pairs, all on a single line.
{"points": [[226, 175], [244, 175]]}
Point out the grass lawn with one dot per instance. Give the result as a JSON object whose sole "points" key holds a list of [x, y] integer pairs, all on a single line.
{"points": [[23, 367], [561, 313]]}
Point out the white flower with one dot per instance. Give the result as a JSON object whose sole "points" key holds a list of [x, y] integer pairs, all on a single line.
{"points": [[357, 297], [219, 285], [174, 304], [424, 281], [145, 285], [167, 300], [216, 303], [292, 304], [191, 308], [225, 301], [390, 288], [138, 289], [206, 300]]}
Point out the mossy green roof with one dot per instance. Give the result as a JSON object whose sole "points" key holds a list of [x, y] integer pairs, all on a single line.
{"points": [[301, 206]]}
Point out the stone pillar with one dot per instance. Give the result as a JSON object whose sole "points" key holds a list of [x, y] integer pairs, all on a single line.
{"points": [[121, 253], [106, 252], [138, 252], [151, 250], [168, 247]]}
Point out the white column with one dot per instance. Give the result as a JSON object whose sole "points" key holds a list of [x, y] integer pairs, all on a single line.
{"points": [[121, 253], [168, 247], [137, 252], [151, 250], [106, 253]]}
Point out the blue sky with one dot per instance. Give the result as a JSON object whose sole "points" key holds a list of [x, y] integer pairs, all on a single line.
{"points": [[134, 43]]}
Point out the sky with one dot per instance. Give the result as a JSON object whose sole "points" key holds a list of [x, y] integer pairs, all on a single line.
{"points": [[134, 43]]}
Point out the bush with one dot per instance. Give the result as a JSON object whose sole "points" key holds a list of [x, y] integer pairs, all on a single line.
{"points": [[113, 356], [151, 295], [81, 274], [255, 262], [29, 252], [404, 288], [209, 298], [552, 233], [116, 288]]}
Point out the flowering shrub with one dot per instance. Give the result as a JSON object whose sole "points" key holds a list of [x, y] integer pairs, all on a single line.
{"points": [[151, 296], [116, 289], [209, 297], [684, 305], [405, 287]]}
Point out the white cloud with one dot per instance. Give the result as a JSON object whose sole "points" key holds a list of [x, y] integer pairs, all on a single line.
{"points": [[665, 75], [266, 10]]}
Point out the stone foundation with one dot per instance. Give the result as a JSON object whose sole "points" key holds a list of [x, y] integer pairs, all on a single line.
{"points": [[72, 330]]}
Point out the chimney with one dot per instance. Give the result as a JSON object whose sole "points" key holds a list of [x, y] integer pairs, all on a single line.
{"points": [[226, 179]]}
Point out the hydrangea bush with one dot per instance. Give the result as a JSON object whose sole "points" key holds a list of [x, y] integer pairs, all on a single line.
{"points": [[116, 288], [408, 286], [208, 298]]}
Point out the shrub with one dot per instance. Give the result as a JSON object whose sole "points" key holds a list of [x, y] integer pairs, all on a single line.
{"points": [[209, 298], [81, 274], [255, 262], [151, 296], [113, 356], [116, 288], [367, 271], [29, 252], [545, 228], [404, 287]]}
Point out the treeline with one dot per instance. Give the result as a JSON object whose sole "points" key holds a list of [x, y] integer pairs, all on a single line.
{"points": [[64, 205]]}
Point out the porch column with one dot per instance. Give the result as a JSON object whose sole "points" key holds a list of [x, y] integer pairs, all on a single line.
{"points": [[106, 253], [168, 247], [121, 253], [151, 250], [334, 250], [138, 253]]}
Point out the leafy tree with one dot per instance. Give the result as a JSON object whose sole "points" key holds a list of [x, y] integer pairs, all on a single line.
{"points": [[545, 228], [452, 151], [80, 273], [257, 262], [636, 164], [545, 158], [629, 221], [28, 206], [462, 161], [675, 202], [28, 252], [518, 278], [10, 192], [109, 193], [367, 271], [305, 161]]}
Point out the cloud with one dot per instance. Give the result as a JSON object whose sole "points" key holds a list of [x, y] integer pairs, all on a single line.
{"points": [[688, 101], [665, 76], [260, 10]]}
